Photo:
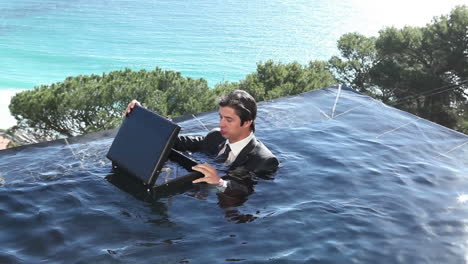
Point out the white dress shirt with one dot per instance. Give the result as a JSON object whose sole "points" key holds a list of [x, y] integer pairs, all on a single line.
{"points": [[236, 148]]}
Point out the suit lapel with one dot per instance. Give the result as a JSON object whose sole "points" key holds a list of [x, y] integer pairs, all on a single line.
{"points": [[244, 154]]}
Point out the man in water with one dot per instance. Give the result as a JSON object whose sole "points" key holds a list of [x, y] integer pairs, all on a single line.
{"points": [[234, 144]]}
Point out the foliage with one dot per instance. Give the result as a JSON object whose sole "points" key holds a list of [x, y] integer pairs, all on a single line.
{"points": [[360, 56], [273, 80], [84, 104], [422, 70]]}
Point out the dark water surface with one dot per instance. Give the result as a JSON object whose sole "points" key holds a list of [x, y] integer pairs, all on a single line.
{"points": [[359, 182]]}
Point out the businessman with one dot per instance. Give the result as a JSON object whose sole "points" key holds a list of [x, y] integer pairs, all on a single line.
{"points": [[233, 144]]}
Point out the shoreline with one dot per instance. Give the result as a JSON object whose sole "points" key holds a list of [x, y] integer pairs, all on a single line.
{"points": [[6, 119]]}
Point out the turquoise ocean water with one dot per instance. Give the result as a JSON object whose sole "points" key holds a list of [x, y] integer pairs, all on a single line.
{"points": [[44, 41]]}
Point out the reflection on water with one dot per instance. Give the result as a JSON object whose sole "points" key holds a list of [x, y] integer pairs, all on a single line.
{"points": [[367, 186], [462, 198]]}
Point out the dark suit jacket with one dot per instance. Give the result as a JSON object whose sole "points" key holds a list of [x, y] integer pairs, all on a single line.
{"points": [[254, 160]]}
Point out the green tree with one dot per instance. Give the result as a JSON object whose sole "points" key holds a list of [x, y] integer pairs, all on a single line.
{"points": [[358, 57], [422, 70], [86, 104], [273, 80]]}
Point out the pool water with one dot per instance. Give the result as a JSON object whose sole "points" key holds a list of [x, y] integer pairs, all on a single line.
{"points": [[359, 182]]}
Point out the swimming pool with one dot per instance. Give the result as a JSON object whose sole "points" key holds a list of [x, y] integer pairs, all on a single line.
{"points": [[359, 182]]}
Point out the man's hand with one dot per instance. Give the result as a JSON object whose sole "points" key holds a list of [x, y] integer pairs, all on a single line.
{"points": [[130, 106], [211, 175]]}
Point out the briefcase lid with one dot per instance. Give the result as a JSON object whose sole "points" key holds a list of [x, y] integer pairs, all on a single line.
{"points": [[142, 144]]}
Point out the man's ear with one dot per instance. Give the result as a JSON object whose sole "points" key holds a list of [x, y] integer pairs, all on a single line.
{"points": [[247, 123]]}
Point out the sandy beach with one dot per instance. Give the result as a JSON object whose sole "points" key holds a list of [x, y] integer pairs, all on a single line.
{"points": [[6, 120]]}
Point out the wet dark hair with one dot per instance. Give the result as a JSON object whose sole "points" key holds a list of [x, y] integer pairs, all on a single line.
{"points": [[244, 105]]}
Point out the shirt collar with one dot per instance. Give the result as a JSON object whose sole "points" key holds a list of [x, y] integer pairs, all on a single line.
{"points": [[237, 147]]}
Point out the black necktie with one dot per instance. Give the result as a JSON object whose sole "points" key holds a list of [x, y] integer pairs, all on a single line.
{"points": [[223, 157]]}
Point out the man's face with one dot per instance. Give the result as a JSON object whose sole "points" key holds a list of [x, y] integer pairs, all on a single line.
{"points": [[230, 124]]}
